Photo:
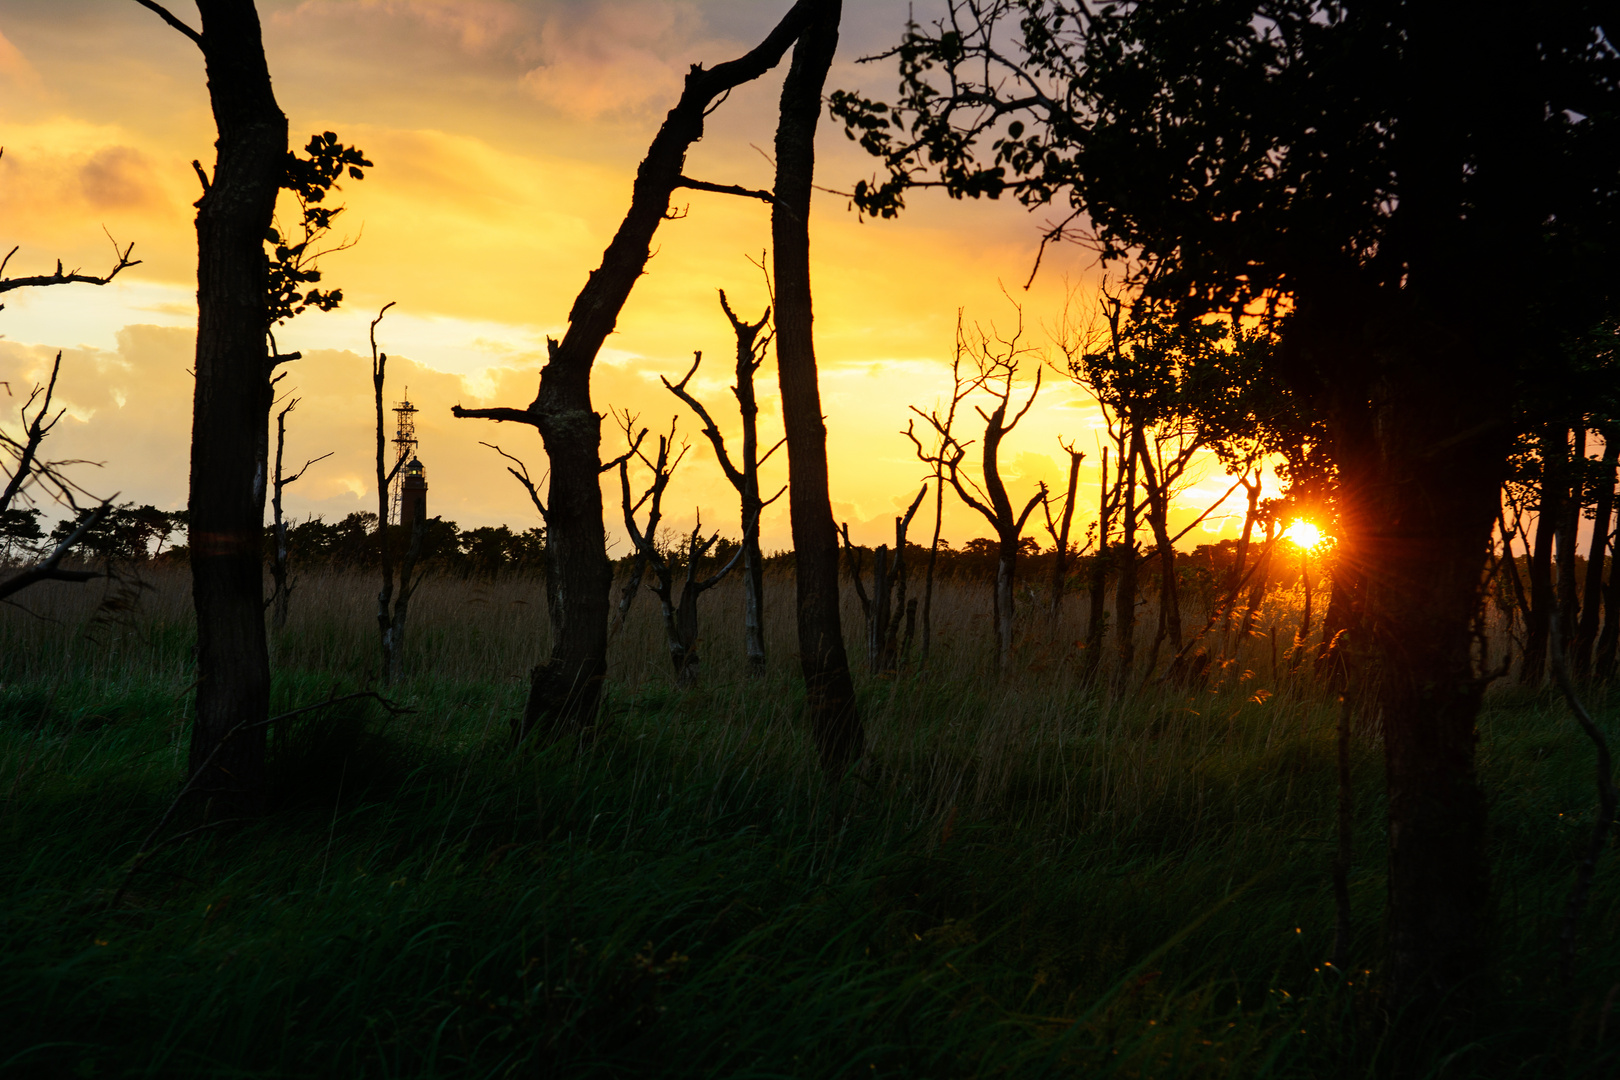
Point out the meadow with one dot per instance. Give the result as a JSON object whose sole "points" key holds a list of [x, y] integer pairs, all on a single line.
{"points": [[1027, 875]]}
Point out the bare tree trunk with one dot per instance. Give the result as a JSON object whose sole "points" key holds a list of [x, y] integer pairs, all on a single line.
{"points": [[835, 723], [744, 476], [565, 690], [1542, 599], [1257, 593], [1097, 617], [1241, 564], [1596, 554], [231, 412], [1125, 585], [1060, 533], [933, 556], [1565, 542], [1158, 508], [278, 562]]}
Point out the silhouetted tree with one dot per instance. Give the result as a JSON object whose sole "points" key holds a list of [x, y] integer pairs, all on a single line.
{"points": [[565, 689], [744, 474], [886, 607], [392, 606], [1059, 530], [996, 364], [281, 594], [240, 293], [835, 721], [1367, 165], [680, 611]]}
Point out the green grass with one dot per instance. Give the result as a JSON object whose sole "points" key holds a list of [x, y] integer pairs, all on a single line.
{"points": [[1025, 878]]}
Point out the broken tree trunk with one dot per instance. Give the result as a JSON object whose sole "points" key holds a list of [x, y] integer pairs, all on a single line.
{"points": [[564, 690]]}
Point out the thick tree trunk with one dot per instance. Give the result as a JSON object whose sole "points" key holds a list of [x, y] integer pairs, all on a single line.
{"points": [[835, 723], [1429, 487], [1592, 600], [231, 412], [1542, 598]]}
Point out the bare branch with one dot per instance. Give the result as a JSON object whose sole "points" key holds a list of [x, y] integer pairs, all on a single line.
{"points": [[516, 416], [164, 14], [312, 461], [725, 189], [69, 277], [523, 478], [50, 569]]}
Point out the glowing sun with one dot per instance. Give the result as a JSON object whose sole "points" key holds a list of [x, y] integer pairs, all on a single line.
{"points": [[1304, 534]]}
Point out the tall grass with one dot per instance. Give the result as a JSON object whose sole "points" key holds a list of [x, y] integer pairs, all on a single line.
{"points": [[1026, 876]]}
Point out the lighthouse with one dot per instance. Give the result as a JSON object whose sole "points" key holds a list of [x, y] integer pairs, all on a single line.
{"points": [[412, 492]]}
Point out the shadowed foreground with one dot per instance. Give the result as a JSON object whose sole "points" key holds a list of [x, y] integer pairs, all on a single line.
{"points": [[1027, 877]]}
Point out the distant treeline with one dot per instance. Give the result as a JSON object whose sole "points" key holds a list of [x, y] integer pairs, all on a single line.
{"points": [[142, 533]]}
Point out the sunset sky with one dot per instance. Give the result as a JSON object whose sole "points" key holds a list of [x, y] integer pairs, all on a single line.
{"points": [[505, 137]]}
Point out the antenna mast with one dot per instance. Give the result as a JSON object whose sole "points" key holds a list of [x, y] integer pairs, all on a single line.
{"points": [[404, 450]]}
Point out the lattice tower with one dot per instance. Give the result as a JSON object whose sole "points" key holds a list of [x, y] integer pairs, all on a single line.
{"points": [[404, 450]]}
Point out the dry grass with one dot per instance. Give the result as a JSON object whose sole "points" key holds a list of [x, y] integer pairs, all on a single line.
{"points": [[1026, 872]]}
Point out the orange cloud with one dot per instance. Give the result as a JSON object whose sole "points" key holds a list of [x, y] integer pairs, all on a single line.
{"points": [[616, 58]]}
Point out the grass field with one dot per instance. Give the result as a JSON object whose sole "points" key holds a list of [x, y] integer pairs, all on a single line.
{"points": [[1027, 876]]}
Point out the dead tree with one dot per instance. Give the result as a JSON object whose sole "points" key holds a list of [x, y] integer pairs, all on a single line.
{"points": [[944, 445], [565, 689], [392, 606], [744, 474], [886, 607], [281, 595], [1078, 345], [835, 721], [996, 365], [663, 468], [680, 611], [1059, 530], [29, 470], [1097, 615]]}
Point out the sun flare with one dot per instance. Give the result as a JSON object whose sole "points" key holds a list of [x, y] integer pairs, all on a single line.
{"points": [[1305, 534]]}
